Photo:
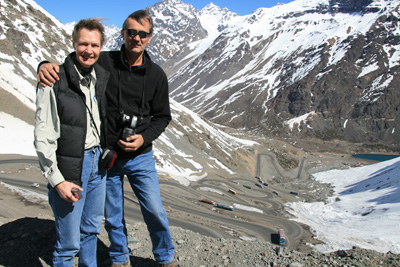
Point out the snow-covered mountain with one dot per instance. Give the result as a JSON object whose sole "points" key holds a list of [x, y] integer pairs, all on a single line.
{"points": [[310, 68], [28, 35]]}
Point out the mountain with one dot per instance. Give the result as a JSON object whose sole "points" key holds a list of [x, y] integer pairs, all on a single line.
{"points": [[308, 69], [176, 26], [179, 26]]}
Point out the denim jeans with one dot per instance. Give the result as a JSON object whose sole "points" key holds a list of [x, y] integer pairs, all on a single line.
{"points": [[142, 176], [77, 224]]}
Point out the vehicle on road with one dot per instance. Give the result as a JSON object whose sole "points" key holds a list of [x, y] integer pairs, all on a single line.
{"points": [[294, 193], [224, 207], [232, 191], [266, 184], [276, 193], [36, 185], [208, 201], [247, 186], [282, 238], [259, 185]]}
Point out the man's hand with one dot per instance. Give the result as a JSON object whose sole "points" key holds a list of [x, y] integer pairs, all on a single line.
{"points": [[133, 144], [64, 189], [48, 74]]}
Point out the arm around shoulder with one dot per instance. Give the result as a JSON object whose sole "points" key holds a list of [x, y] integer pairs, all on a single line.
{"points": [[48, 73]]}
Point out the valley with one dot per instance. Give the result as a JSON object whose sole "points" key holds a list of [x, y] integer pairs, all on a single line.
{"points": [[258, 212]]}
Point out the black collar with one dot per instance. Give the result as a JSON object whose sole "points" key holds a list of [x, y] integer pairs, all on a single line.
{"points": [[83, 71]]}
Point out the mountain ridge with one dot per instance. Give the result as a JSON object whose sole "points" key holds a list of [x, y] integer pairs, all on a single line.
{"points": [[258, 78]]}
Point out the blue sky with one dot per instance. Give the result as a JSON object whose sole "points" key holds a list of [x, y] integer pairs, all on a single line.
{"points": [[117, 11]]}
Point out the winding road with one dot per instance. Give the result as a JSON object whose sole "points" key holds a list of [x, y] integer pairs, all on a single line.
{"points": [[258, 212]]}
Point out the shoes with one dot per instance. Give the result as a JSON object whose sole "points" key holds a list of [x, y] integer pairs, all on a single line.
{"points": [[171, 264], [126, 264]]}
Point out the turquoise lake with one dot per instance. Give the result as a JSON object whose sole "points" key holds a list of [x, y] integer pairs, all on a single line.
{"points": [[375, 157]]}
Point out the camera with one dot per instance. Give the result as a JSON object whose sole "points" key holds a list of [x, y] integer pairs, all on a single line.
{"points": [[129, 123]]}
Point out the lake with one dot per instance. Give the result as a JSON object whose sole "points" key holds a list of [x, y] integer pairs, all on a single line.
{"points": [[375, 157]]}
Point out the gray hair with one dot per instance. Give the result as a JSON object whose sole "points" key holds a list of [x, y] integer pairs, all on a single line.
{"points": [[139, 16], [90, 24]]}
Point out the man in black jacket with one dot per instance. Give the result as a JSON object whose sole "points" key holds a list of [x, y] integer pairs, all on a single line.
{"points": [[138, 112]]}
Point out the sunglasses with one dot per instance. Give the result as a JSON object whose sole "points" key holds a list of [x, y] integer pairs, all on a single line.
{"points": [[132, 33]]}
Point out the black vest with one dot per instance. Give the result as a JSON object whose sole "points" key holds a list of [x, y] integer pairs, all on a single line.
{"points": [[71, 110]]}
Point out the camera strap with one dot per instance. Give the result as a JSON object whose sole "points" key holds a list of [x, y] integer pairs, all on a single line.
{"points": [[85, 72], [91, 118]]}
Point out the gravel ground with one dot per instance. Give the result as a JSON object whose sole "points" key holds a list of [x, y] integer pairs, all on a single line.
{"points": [[28, 242]]}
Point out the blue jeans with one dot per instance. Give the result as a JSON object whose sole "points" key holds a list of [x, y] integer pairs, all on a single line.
{"points": [[77, 224], [142, 175]]}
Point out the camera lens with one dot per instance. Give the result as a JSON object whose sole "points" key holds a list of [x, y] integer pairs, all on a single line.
{"points": [[126, 133]]}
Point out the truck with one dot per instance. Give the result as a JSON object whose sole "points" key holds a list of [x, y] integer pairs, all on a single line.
{"points": [[208, 201], [247, 186], [232, 191], [282, 239], [224, 207]]}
